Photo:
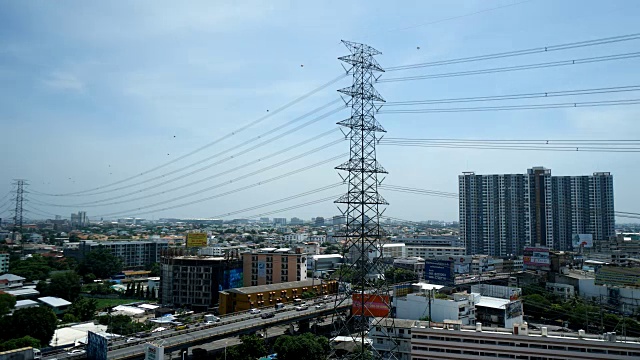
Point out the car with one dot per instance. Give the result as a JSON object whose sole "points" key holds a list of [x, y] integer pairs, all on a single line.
{"points": [[326, 297], [132, 339], [302, 307], [254, 311], [76, 352], [321, 306], [267, 315]]}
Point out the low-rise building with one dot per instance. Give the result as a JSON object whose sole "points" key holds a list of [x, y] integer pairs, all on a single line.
{"points": [[242, 299], [322, 265], [452, 341], [427, 251], [564, 291], [58, 305], [392, 336], [11, 281], [4, 263]]}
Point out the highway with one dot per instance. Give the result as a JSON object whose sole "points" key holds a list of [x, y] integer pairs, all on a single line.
{"points": [[229, 326]]}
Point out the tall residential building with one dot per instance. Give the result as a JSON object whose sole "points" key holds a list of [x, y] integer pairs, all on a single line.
{"points": [[135, 254], [280, 221], [319, 221], [273, 266], [502, 214], [79, 219], [196, 281]]}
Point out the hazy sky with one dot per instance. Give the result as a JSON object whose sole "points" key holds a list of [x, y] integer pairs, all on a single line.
{"points": [[92, 93]]}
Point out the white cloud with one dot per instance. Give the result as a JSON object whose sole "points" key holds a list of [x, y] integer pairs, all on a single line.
{"points": [[64, 81]]}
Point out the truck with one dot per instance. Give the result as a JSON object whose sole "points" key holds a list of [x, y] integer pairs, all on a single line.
{"points": [[26, 353]]}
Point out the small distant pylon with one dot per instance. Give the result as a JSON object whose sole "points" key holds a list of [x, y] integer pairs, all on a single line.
{"points": [[17, 212]]}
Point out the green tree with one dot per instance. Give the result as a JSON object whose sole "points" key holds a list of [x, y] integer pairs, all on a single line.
{"points": [[33, 268], [122, 324], [64, 285], [155, 269], [400, 275], [101, 262], [38, 322], [308, 295], [7, 303], [18, 343], [306, 346], [69, 318], [253, 347], [84, 309]]}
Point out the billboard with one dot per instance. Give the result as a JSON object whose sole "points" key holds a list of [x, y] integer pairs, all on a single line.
{"points": [[514, 309], [536, 257], [196, 240], [262, 269], [439, 272], [374, 305], [232, 279], [96, 346], [153, 352], [582, 240]]}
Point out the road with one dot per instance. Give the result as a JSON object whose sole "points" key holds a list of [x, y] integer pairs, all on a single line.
{"points": [[229, 326]]}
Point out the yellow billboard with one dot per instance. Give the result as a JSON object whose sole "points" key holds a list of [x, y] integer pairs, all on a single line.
{"points": [[196, 240]]}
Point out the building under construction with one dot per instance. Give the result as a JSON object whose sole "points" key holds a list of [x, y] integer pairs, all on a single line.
{"points": [[195, 281]]}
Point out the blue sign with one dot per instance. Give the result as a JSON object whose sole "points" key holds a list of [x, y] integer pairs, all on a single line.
{"points": [[233, 279], [96, 346], [439, 272]]}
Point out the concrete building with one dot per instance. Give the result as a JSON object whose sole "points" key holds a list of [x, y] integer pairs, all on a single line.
{"points": [[564, 291], [135, 254], [452, 341], [467, 308], [392, 336], [4, 263], [502, 214], [280, 221], [11, 281], [272, 266], [195, 281], [322, 265], [425, 251], [242, 299], [79, 219], [319, 221], [310, 248], [415, 264], [394, 250], [58, 305], [296, 238], [296, 221]]}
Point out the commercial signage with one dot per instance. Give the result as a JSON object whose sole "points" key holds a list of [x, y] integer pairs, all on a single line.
{"points": [[262, 269], [96, 346], [582, 240], [233, 279], [374, 305], [536, 257], [153, 352], [514, 309], [439, 272], [196, 240]]}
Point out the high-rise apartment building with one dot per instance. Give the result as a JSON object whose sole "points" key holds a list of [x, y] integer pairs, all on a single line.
{"points": [[4, 263], [502, 214], [135, 254], [273, 266]]}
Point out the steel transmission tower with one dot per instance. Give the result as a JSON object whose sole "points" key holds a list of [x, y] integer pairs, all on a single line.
{"points": [[17, 212], [362, 235]]}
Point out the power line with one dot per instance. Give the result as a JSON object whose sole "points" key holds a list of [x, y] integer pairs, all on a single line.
{"points": [[288, 198], [520, 141], [314, 202], [233, 133], [515, 147], [517, 107], [517, 67], [199, 192], [138, 211], [541, 49], [181, 187], [546, 94]]}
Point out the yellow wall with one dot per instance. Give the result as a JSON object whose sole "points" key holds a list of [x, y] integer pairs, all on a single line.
{"points": [[233, 302]]}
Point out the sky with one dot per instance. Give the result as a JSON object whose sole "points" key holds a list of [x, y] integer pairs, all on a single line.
{"points": [[92, 94]]}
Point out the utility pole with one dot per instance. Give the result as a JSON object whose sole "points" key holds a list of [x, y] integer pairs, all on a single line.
{"points": [[17, 212], [362, 236]]}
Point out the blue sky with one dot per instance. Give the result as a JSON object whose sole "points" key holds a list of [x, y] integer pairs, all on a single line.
{"points": [[96, 92]]}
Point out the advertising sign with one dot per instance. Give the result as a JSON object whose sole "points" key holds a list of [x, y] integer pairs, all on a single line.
{"points": [[232, 279], [584, 240], [439, 272], [514, 309], [153, 352], [262, 269], [96, 346], [374, 305], [536, 257], [197, 240]]}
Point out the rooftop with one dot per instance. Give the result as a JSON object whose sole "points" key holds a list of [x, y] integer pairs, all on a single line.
{"points": [[11, 277], [492, 302], [272, 287], [25, 303], [23, 292], [54, 301]]}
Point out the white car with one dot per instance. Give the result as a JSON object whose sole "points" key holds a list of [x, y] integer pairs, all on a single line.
{"points": [[254, 311], [326, 297], [130, 340], [321, 306], [76, 352], [302, 307]]}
